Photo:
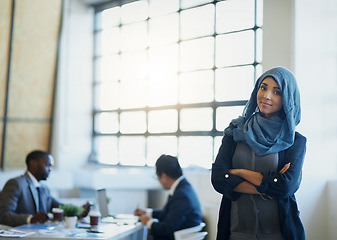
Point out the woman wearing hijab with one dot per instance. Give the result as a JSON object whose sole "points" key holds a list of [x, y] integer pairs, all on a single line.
{"points": [[258, 168]]}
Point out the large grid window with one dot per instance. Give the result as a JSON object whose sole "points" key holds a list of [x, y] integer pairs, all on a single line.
{"points": [[170, 75]]}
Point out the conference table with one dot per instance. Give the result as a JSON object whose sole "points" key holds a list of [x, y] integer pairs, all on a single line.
{"points": [[53, 231]]}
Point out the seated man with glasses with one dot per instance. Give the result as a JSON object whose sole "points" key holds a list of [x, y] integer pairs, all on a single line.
{"points": [[182, 209]]}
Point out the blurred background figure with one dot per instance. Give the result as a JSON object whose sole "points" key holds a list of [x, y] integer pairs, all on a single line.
{"points": [[24, 199], [182, 209]]}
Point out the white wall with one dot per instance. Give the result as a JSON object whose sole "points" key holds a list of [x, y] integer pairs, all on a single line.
{"points": [[71, 143], [278, 34], [300, 35], [316, 70]]}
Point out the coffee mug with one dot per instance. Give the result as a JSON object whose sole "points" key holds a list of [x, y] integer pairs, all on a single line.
{"points": [[57, 213], [95, 217]]}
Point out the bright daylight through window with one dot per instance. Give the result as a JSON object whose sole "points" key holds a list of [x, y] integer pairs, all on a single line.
{"points": [[170, 75]]}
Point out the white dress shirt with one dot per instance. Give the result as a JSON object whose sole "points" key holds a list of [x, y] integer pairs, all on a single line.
{"points": [[36, 184], [171, 192]]}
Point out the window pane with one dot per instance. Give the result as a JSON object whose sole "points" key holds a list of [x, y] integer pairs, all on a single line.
{"points": [[110, 41], [258, 71], [259, 46], [197, 22], [109, 69], [111, 17], [196, 119], [160, 145], [192, 3], [106, 123], [134, 11], [259, 13], [133, 122], [163, 121], [196, 87], [233, 15], [195, 151], [161, 7], [107, 96], [164, 30], [235, 49], [132, 151], [107, 149], [163, 90], [133, 94], [234, 83], [224, 115], [163, 60], [130, 33], [197, 54], [137, 61]]}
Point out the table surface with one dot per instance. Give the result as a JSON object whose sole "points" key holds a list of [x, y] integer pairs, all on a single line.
{"points": [[105, 231]]}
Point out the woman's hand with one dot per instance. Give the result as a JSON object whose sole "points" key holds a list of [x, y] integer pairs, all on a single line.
{"points": [[285, 168], [253, 177]]}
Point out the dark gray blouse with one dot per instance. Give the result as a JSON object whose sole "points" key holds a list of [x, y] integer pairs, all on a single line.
{"points": [[254, 217]]}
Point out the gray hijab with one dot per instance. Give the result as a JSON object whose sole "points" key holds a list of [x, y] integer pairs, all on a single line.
{"points": [[266, 136]]}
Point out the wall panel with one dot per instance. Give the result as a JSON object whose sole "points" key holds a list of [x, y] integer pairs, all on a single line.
{"points": [[1, 129], [33, 61], [34, 50], [5, 27], [23, 138], [5, 24]]}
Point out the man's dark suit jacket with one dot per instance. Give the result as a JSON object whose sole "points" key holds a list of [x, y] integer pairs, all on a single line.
{"points": [[19, 199], [181, 211]]}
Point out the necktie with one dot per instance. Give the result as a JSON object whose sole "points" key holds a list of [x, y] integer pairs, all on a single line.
{"points": [[40, 200]]}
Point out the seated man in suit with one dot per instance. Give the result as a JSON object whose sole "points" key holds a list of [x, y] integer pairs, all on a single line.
{"points": [[182, 209], [24, 199]]}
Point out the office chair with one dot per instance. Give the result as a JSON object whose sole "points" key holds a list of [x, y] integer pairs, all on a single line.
{"points": [[192, 233]]}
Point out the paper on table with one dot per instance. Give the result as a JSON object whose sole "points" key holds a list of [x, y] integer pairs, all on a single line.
{"points": [[86, 234], [14, 233], [37, 226]]}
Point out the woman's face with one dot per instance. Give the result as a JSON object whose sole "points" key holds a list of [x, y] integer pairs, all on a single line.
{"points": [[269, 98]]}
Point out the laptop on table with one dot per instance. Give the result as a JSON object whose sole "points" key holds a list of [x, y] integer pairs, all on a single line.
{"points": [[106, 217]]}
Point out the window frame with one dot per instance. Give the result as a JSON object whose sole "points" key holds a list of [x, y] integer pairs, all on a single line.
{"points": [[214, 132]]}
